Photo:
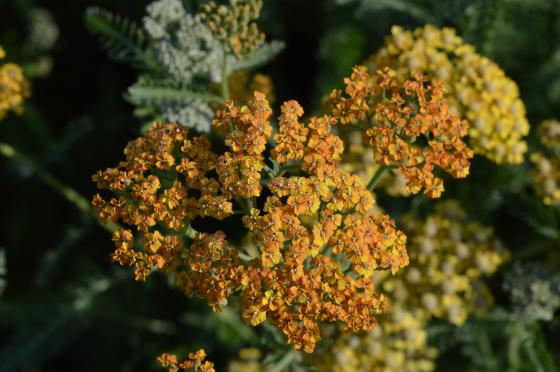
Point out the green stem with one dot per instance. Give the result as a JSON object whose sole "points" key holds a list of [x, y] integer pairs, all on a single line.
{"points": [[190, 231], [245, 257], [67, 192], [283, 363], [244, 207], [513, 345], [287, 167], [225, 82], [375, 179]]}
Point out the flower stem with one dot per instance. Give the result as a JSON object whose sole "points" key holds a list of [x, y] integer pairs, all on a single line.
{"points": [[190, 231], [375, 179], [67, 192], [225, 83], [283, 363]]}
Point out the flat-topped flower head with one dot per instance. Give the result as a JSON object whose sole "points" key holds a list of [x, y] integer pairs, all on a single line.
{"points": [[449, 255], [478, 90], [317, 239], [408, 125]]}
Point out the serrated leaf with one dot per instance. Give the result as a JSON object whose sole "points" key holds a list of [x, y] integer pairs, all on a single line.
{"points": [[402, 6], [156, 92], [260, 56], [123, 39]]}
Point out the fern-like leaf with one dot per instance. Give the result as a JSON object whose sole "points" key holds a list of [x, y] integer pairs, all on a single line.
{"points": [[123, 39], [158, 92], [260, 56]]}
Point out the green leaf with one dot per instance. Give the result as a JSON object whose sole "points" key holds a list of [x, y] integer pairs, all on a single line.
{"points": [[123, 39], [260, 56], [401, 6], [156, 92]]}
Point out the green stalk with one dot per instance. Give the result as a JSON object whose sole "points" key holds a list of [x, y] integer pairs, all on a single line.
{"points": [[283, 363], [375, 179], [225, 82], [67, 192]]}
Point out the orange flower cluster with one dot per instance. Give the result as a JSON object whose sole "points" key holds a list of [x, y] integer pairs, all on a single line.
{"points": [[249, 130], [195, 362], [160, 187], [308, 221], [318, 240], [408, 124]]}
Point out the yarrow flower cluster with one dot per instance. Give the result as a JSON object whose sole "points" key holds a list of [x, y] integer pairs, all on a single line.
{"points": [[242, 85], [185, 45], [546, 172], [398, 343], [14, 88], [317, 238], [448, 257], [195, 362], [476, 87], [534, 292], [248, 360], [408, 124], [235, 25], [450, 254]]}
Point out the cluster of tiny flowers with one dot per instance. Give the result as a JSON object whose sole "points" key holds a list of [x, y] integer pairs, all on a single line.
{"points": [[197, 113], [477, 88], [186, 47], [398, 343], [546, 172], [235, 25], [448, 256], [534, 292], [317, 239], [14, 88], [195, 362], [43, 31], [242, 84], [248, 360], [399, 118], [357, 160], [549, 134]]}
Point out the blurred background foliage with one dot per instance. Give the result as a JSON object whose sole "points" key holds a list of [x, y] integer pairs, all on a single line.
{"points": [[65, 306]]}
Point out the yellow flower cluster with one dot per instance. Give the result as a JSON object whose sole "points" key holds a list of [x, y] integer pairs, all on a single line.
{"points": [[546, 172], [408, 124], [398, 343], [549, 134], [317, 238], [241, 86], [195, 362], [14, 87], [476, 87], [448, 256], [249, 360], [235, 25]]}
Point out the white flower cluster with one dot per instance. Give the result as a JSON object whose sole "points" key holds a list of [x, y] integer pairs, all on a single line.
{"points": [[534, 292], [195, 114], [186, 47], [43, 31]]}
